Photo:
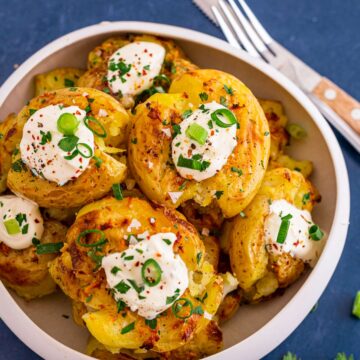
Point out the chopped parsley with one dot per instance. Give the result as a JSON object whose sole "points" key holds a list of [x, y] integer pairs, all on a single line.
{"points": [[122, 287], [229, 90], [115, 270], [218, 194], [306, 198], [69, 83], [152, 324], [236, 170], [203, 96], [171, 299], [45, 137]]}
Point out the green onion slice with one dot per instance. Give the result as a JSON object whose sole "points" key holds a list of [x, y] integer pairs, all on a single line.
{"points": [[72, 155], [151, 272], [88, 119], [49, 248], [356, 306], [197, 133], [315, 232], [100, 242], [67, 124], [84, 150], [179, 308], [12, 226], [224, 113], [296, 131], [283, 231]]}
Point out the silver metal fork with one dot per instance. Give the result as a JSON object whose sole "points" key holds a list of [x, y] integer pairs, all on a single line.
{"points": [[243, 30]]}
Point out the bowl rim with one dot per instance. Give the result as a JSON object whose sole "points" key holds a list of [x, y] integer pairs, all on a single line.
{"points": [[265, 339]]}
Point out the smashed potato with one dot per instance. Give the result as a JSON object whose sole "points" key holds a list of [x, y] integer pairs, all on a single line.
{"points": [[75, 271], [57, 79], [96, 181], [259, 272], [150, 157], [174, 65], [25, 271]]}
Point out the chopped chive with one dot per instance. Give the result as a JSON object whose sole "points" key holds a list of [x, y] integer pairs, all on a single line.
{"points": [[223, 101], [152, 324], [356, 305], [49, 248], [284, 228], [128, 328], [32, 111], [198, 257], [88, 299], [98, 161], [117, 191], [137, 288], [130, 257], [120, 305]]}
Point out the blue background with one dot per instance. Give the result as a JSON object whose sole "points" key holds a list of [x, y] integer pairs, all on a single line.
{"points": [[324, 33]]}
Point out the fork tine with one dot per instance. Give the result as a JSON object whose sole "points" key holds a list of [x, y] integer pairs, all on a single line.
{"points": [[264, 35], [249, 47], [225, 28], [253, 36]]}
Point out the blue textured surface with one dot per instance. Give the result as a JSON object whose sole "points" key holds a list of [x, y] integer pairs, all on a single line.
{"points": [[325, 33]]}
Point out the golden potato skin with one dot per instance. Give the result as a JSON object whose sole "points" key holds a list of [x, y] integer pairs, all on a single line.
{"points": [[57, 79], [258, 272], [10, 136], [92, 184], [148, 144], [175, 62], [27, 272], [275, 114], [206, 342], [74, 272], [95, 182]]}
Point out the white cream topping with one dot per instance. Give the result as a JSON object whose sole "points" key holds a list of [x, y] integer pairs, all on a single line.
{"points": [[298, 242], [121, 267], [26, 217], [132, 68], [39, 145], [218, 146]]}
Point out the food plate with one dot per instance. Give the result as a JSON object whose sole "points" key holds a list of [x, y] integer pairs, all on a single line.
{"points": [[254, 331]]}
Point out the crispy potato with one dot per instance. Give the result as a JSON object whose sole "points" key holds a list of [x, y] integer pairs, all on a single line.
{"points": [[205, 343], [150, 155], [260, 273], [278, 120], [57, 79], [74, 272], [10, 132], [27, 272], [228, 307], [212, 250], [95, 182], [174, 65]]}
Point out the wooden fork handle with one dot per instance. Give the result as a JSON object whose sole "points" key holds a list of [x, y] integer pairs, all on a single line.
{"points": [[338, 100]]}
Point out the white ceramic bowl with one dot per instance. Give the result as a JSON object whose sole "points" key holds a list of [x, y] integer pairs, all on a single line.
{"points": [[255, 330]]}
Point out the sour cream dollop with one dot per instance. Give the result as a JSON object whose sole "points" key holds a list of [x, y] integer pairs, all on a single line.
{"points": [[298, 243], [219, 144], [132, 68], [20, 222], [124, 272], [39, 146]]}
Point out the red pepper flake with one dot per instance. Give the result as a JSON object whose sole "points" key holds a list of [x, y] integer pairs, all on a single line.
{"points": [[145, 50]]}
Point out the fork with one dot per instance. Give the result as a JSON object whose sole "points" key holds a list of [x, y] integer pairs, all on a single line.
{"points": [[243, 30]]}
